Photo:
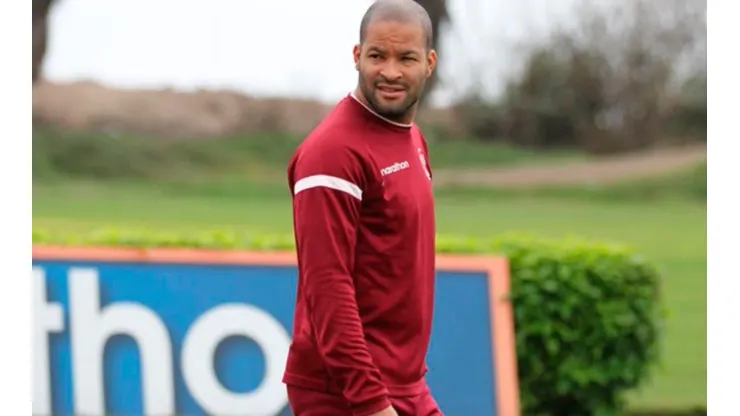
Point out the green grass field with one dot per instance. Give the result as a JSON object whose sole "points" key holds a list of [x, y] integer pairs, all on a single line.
{"points": [[671, 233]]}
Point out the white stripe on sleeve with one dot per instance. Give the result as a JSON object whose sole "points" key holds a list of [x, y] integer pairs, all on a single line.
{"points": [[327, 181]]}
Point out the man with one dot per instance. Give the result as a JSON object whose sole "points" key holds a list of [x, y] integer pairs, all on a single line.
{"points": [[364, 224]]}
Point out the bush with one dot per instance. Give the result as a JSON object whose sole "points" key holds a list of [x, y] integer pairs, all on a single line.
{"points": [[587, 321], [587, 315], [58, 152], [97, 155]]}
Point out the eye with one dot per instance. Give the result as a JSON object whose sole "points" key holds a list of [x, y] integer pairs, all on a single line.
{"points": [[374, 56], [408, 59]]}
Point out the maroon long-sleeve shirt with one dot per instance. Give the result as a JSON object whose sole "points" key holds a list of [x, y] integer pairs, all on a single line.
{"points": [[365, 230]]}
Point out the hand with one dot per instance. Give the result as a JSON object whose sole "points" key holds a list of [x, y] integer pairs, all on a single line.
{"points": [[388, 411]]}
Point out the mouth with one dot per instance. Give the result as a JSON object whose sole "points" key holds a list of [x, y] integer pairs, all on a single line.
{"points": [[391, 92]]}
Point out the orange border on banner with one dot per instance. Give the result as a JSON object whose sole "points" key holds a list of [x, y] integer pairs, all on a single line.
{"points": [[497, 269]]}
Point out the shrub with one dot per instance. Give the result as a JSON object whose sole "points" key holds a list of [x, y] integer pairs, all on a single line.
{"points": [[97, 155], [105, 156], [587, 320], [587, 315]]}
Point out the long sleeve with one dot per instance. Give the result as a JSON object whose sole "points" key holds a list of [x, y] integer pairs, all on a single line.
{"points": [[327, 184]]}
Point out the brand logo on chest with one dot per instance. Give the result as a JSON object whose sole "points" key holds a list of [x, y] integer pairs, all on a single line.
{"points": [[396, 167]]}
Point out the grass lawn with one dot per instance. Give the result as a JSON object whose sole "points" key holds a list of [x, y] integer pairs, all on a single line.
{"points": [[673, 234]]}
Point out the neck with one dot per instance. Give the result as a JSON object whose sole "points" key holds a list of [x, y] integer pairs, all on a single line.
{"points": [[360, 97]]}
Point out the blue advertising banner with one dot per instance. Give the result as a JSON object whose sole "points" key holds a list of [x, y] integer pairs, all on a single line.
{"points": [[128, 332]]}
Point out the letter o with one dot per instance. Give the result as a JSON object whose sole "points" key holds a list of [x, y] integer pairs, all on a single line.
{"points": [[199, 349]]}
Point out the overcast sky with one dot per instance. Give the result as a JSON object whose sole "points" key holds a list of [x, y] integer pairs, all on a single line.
{"points": [[277, 47]]}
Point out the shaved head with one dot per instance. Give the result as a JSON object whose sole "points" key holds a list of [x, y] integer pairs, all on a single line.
{"points": [[401, 11]]}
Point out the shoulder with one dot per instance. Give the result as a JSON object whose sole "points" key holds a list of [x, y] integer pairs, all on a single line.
{"points": [[336, 147], [329, 152], [330, 143], [340, 131], [418, 135], [416, 131]]}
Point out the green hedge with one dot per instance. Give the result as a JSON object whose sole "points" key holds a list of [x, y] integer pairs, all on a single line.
{"points": [[587, 315]]}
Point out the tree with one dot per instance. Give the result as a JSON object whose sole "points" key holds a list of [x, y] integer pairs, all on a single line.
{"points": [[438, 14], [40, 35], [616, 80]]}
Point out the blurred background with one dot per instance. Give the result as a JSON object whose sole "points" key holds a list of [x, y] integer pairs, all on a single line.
{"points": [[567, 117]]}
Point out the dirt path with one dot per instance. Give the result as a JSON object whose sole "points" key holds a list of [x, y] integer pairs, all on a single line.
{"points": [[607, 170]]}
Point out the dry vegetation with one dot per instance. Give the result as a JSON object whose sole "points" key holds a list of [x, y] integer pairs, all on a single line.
{"points": [[175, 114]]}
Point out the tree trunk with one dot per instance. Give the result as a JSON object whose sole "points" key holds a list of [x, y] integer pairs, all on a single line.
{"points": [[40, 14], [437, 10]]}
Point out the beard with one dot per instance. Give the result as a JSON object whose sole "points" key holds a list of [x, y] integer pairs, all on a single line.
{"points": [[393, 110]]}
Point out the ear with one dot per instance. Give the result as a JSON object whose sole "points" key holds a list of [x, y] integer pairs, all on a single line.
{"points": [[431, 62], [356, 52]]}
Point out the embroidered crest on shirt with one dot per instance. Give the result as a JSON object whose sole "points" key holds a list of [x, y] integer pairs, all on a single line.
{"points": [[424, 163]]}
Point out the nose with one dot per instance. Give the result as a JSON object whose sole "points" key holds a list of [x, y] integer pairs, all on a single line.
{"points": [[390, 71]]}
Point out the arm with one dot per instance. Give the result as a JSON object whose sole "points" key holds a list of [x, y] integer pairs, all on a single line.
{"points": [[327, 193]]}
